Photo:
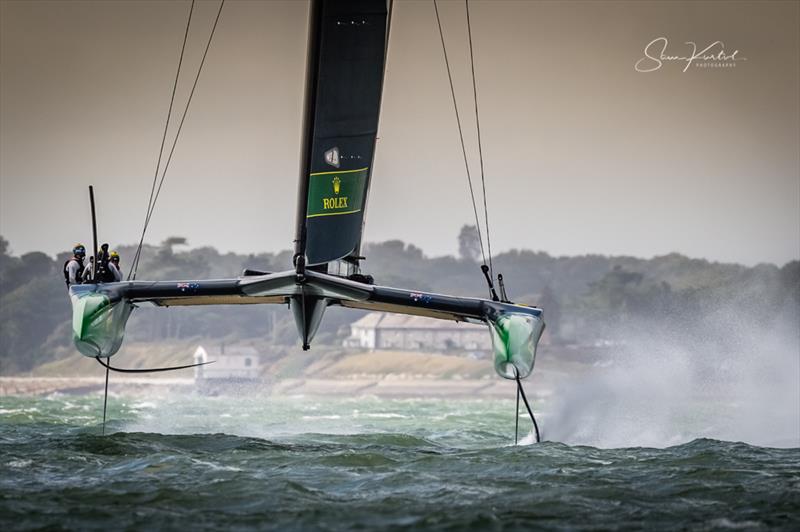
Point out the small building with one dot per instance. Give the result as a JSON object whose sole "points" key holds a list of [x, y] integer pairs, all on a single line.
{"points": [[233, 365], [378, 330]]}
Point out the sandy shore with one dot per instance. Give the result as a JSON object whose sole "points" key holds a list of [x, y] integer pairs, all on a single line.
{"points": [[390, 387]]}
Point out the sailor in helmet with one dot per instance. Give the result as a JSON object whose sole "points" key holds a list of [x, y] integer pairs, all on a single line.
{"points": [[113, 267], [110, 273], [73, 267]]}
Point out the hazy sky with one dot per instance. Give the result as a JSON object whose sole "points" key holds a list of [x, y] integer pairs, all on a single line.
{"points": [[583, 153]]}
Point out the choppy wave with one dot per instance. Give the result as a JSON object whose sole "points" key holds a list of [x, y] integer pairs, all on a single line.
{"points": [[183, 465]]}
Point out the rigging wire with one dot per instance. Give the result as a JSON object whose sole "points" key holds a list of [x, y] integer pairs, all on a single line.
{"points": [[186, 109], [460, 130], [178, 134], [135, 260], [488, 271], [480, 144]]}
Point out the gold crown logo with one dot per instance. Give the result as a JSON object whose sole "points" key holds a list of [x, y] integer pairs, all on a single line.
{"points": [[337, 184]]}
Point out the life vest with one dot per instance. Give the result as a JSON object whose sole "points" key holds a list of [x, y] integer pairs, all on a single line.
{"points": [[78, 274], [104, 273]]}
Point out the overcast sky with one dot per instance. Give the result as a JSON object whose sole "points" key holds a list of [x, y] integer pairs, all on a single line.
{"points": [[583, 153]]}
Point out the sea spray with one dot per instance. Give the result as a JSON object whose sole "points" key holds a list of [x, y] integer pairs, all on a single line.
{"points": [[737, 379]]}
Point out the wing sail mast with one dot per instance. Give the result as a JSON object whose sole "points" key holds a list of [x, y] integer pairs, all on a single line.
{"points": [[344, 81]]}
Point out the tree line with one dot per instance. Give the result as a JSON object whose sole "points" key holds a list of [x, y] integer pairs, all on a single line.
{"points": [[587, 299]]}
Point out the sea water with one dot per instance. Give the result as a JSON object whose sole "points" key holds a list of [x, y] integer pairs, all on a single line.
{"points": [[303, 463]]}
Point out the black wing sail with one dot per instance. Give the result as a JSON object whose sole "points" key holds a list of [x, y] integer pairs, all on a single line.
{"points": [[347, 48]]}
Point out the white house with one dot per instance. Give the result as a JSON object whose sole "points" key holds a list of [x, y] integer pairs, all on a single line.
{"points": [[232, 363], [377, 330]]}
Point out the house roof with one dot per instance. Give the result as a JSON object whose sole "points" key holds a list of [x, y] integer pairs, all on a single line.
{"points": [[230, 350], [370, 321], [380, 320]]}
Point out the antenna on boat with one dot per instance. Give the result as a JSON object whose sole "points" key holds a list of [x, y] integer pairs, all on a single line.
{"points": [[94, 233]]}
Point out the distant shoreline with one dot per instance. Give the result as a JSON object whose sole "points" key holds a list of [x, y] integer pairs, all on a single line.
{"points": [[388, 387]]}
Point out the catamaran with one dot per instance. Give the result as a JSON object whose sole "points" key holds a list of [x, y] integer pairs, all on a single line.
{"points": [[347, 47]]}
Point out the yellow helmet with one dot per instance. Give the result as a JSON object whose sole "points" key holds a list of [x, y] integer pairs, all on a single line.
{"points": [[113, 255]]}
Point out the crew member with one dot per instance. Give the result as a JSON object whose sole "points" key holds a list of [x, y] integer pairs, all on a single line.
{"points": [[88, 273], [73, 267], [113, 268], [101, 264]]}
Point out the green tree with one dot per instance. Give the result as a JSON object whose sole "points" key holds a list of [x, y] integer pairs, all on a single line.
{"points": [[469, 243]]}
